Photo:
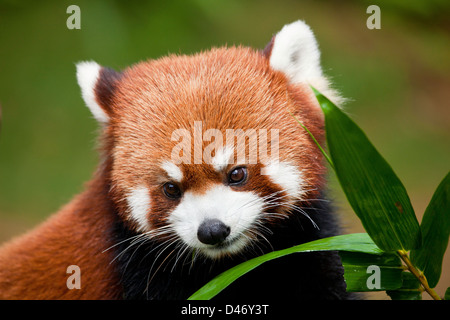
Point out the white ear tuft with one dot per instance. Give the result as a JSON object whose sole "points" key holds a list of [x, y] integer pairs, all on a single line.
{"points": [[88, 73], [295, 52]]}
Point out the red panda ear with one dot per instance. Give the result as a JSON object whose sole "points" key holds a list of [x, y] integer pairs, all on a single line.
{"points": [[294, 51], [97, 88]]}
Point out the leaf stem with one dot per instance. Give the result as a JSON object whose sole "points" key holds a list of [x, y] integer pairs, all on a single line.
{"points": [[418, 274], [315, 141]]}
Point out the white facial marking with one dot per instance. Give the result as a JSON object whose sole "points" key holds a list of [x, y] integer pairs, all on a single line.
{"points": [[139, 203], [237, 210], [173, 171], [287, 176], [87, 76], [222, 158]]}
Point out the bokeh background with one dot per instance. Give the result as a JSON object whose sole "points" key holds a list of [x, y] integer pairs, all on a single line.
{"points": [[397, 80]]}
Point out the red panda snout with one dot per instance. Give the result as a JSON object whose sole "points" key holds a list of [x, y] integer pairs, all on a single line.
{"points": [[218, 222], [213, 231]]}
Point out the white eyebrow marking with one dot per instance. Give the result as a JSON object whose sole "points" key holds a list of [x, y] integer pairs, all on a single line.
{"points": [[222, 158], [173, 171]]}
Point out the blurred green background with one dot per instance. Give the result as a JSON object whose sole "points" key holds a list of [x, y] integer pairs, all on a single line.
{"points": [[397, 79]]}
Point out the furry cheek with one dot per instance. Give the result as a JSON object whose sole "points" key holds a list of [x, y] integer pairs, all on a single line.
{"points": [[288, 177], [139, 204]]}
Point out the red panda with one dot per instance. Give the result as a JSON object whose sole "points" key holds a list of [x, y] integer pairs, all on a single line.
{"points": [[202, 167]]}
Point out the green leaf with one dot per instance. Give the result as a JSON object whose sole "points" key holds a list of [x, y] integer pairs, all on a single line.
{"points": [[447, 294], [372, 188], [410, 290], [435, 231], [368, 272], [358, 242], [404, 295]]}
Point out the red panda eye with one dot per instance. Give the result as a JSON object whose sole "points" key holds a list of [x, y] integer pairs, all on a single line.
{"points": [[237, 176], [171, 190]]}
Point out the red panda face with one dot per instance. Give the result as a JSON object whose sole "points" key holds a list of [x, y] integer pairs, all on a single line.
{"points": [[204, 149]]}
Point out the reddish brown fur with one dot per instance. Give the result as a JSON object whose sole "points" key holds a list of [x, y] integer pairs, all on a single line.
{"points": [[226, 88], [34, 265]]}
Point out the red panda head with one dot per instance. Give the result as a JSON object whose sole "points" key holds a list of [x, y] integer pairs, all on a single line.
{"points": [[204, 149]]}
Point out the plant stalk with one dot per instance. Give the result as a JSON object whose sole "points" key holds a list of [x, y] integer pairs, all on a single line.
{"points": [[418, 274], [327, 157]]}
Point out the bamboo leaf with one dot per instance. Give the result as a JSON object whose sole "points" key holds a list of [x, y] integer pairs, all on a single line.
{"points": [[405, 294], [372, 188], [367, 272], [359, 242], [447, 294], [410, 289], [436, 231]]}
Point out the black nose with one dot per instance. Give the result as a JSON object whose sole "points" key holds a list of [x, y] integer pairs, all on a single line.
{"points": [[213, 231]]}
